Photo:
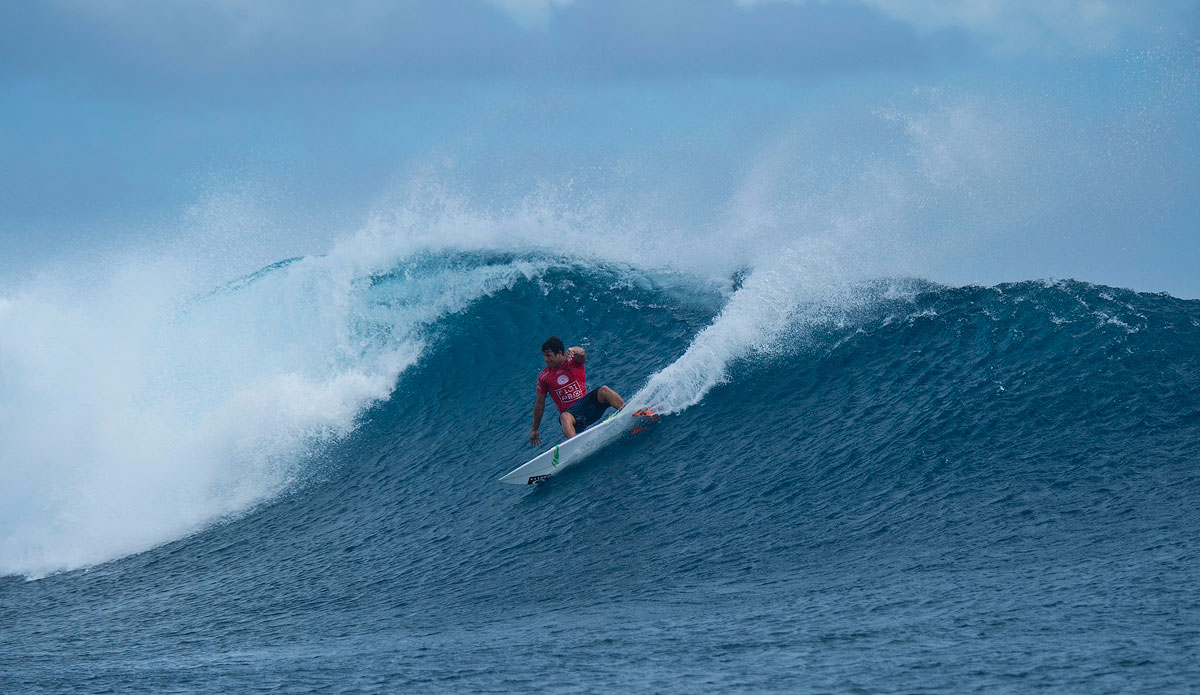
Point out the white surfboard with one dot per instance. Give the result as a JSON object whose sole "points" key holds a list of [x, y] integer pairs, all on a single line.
{"points": [[575, 449]]}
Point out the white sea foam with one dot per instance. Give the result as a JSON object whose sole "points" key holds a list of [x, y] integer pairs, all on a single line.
{"points": [[136, 411]]}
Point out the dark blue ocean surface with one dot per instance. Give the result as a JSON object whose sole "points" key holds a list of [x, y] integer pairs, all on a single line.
{"points": [[940, 490]]}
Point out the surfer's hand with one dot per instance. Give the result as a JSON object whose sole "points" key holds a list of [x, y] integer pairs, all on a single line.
{"points": [[534, 438]]}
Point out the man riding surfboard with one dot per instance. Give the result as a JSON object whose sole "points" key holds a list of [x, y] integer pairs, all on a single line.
{"points": [[565, 380]]}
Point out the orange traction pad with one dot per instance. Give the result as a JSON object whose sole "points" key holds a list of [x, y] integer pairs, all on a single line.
{"points": [[650, 417]]}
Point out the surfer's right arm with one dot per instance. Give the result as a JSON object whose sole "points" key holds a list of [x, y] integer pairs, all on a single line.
{"points": [[539, 407]]}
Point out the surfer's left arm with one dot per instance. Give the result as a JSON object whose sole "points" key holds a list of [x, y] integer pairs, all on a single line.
{"points": [[577, 355]]}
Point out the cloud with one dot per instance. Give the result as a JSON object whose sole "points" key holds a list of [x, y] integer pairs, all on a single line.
{"points": [[531, 14], [1016, 27], [253, 46], [271, 40], [712, 37], [227, 43]]}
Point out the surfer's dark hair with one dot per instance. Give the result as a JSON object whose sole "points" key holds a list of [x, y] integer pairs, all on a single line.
{"points": [[554, 344]]}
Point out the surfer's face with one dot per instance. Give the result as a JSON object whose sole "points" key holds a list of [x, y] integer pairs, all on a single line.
{"points": [[554, 359]]}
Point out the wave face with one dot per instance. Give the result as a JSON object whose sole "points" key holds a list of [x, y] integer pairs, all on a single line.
{"points": [[851, 487]]}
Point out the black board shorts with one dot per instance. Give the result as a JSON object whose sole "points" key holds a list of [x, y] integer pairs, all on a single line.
{"points": [[587, 410]]}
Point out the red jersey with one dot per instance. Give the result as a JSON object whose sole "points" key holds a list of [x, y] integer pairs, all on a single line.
{"points": [[565, 384]]}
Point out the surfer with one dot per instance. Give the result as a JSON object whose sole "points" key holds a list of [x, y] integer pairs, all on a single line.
{"points": [[564, 379]]}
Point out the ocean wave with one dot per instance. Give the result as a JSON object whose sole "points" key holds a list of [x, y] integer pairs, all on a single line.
{"points": [[121, 435]]}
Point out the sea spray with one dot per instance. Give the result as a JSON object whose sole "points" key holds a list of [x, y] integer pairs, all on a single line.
{"points": [[138, 412]]}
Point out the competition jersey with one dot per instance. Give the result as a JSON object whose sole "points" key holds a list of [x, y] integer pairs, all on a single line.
{"points": [[565, 384]]}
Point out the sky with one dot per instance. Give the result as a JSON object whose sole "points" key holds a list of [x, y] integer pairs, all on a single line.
{"points": [[988, 141]]}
